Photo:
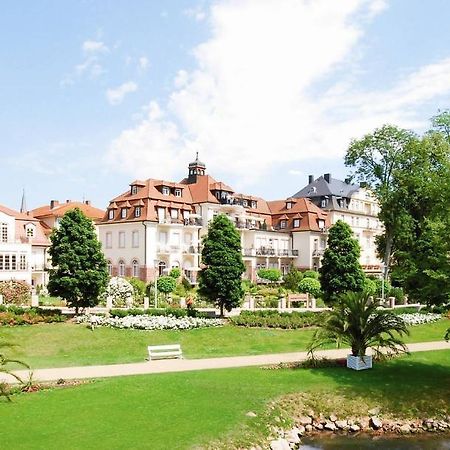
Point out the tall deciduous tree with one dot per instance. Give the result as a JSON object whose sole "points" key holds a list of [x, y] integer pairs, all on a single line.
{"points": [[375, 159], [341, 271], [220, 279], [79, 273]]}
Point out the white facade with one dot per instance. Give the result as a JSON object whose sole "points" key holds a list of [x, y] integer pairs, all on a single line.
{"points": [[15, 256]]}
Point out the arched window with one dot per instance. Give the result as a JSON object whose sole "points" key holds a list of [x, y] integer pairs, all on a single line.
{"points": [[161, 268], [135, 268], [121, 268], [109, 263]]}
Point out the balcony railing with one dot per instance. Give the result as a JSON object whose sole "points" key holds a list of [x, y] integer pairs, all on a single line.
{"points": [[187, 222], [264, 251], [192, 249], [317, 253]]}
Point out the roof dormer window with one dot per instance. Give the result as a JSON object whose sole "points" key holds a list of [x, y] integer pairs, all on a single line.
{"points": [[289, 205], [110, 214], [296, 223], [165, 190], [123, 213], [137, 211], [283, 223], [321, 224], [253, 204], [177, 192], [244, 203], [134, 189], [30, 231]]}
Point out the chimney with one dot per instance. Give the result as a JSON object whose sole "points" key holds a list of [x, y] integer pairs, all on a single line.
{"points": [[87, 202], [327, 177], [53, 203], [310, 179]]}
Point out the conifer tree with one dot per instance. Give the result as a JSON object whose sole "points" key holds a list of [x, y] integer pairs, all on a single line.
{"points": [[220, 279], [79, 273], [341, 271]]}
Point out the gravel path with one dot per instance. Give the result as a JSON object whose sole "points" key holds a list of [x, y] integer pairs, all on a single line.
{"points": [[182, 365]]}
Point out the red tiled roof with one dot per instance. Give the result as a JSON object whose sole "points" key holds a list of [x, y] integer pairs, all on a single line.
{"points": [[61, 208]]}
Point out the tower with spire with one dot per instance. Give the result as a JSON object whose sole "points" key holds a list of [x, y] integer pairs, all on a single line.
{"points": [[196, 168]]}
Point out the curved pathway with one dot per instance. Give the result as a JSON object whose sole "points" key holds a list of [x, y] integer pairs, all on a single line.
{"points": [[182, 365]]}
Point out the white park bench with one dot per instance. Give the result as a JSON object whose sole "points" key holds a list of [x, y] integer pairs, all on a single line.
{"points": [[164, 351]]}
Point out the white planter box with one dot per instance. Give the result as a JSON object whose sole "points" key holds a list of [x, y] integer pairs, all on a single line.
{"points": [[359, 362]]}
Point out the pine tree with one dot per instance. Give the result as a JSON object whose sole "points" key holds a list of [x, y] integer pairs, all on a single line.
{"points": [[79, 273], [220, 279], [341, 271]]}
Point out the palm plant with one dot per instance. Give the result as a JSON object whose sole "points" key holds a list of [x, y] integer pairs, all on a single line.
{"points": [[355, 321], [4, 370]]}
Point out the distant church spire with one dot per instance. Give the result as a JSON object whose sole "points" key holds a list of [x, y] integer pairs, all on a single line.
{"points": [[23, 204]]}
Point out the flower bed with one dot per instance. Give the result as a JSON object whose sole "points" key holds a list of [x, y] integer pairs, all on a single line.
{"points": [[15, 315], [145, 322], [419, 318]]}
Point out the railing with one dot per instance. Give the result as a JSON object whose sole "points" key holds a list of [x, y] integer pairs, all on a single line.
{"points": [[191, 249], [187, 222], [264, 251], [317, 253], [193, 222]]}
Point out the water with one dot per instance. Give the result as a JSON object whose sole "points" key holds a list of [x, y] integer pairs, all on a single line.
{"points": [[417, 442]]}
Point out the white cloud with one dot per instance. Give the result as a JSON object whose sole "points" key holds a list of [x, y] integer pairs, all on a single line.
{"points": [[143, 62], [115, 96], [254, 97], [197, 13], [90, 46]]}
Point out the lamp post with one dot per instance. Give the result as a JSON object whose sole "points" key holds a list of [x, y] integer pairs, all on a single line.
{"points": [[156, 263], [383, 275]]}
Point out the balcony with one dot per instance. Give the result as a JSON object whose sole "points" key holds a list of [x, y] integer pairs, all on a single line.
{"points": [[317, 253], [191, 249], [265, 251], [192, 221]]}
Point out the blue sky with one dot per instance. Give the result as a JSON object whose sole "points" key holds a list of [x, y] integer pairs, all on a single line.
{"points": [[95, 94]]}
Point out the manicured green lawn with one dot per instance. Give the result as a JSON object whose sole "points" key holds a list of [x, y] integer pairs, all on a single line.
{"points": [[182, 410], [59, 345]]}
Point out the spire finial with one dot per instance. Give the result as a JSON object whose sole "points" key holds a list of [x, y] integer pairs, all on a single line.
{"points": [[196, 156], [23, 204]]}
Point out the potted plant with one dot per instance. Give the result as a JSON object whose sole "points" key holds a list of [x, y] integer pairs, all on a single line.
{"points": [[355, 321]]}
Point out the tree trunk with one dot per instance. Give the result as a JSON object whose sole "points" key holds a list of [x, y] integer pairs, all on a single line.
{"points": [[221, 309], [387, 254]]}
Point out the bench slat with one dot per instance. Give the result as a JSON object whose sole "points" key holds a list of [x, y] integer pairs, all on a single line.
{"points": [[164, 351]]}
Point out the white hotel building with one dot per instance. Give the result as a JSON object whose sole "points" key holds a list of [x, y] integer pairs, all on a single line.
{"points": [[157, 225]]}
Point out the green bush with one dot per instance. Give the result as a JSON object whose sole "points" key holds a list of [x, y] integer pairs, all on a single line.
{"points": [[398, 293], [311, 274], [370, 286], [310, 286], [271, 275], [14, 315], [166, 284], [292, 279], [275, 319], [175, 312], [138, 288], [175, 273]]}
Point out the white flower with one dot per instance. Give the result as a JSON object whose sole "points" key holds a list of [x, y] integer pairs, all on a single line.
{"points": [[145, 322], [418, 318]]}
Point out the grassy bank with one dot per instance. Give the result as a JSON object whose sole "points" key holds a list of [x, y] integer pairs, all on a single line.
{"points": [[182, 410], [67, 344]]}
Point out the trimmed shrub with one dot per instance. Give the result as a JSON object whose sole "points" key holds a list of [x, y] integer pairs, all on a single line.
{"points": [[138, 288], [275, 319], [166, 284], [271, 275], [13, 315], [175, 273], [311, 274], [310, 286]]}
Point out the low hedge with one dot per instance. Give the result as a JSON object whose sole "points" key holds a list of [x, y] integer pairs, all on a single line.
{"points": [[16, 315], [275, 319], [175, 312]]}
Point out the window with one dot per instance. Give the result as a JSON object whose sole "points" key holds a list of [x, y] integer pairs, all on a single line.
{"points": [[161, 214], [163, 237], [323, 203], [110, 268], [30, 232], [4, 232], [7, 263], [165, 190], [110, 214], [135, 239], [108, 240], [177, 192], [135, 268], [1, 262], [253, 204], [283, 224], [134, 189], [137, 211], [244, 203], [296, 223], [174, 213], [22, 262], [121, 239], [121, 268], [289, 205], [13, 262], [321, 224], [123, 213]]}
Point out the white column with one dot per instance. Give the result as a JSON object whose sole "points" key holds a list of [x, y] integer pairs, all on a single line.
{"points": [[146, 303], [34, 300]]}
